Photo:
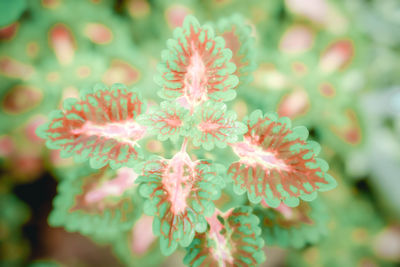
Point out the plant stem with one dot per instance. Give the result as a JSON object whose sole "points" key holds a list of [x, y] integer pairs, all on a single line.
{"points": [[184, 144]]}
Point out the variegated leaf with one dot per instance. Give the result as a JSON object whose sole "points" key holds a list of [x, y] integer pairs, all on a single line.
{"points": [[98, 203], [196, 66], [237, 35], [215, 126], [100, 127], [168, 121], [293, 227], [179, 194], [276, 163], [232, 240]]}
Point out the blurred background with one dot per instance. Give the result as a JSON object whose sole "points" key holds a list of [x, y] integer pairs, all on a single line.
{"points": [[331, 65]]}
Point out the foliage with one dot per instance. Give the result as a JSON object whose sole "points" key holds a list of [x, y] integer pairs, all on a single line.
{"points": [[275, 164], [217, 147]]}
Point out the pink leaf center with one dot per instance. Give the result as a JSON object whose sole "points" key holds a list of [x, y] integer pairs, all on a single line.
{"points": [[125, 131], [142, 235], [209, 126], [196, 78], [178, 180], [252, 154], [222, 252], [114, 187]]}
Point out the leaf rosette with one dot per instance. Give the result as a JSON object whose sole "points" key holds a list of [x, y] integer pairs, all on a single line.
{"points": [[101, 127], [277, 163], [179, 194]]}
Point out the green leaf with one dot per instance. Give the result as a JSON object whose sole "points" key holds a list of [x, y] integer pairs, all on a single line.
{"points": [[169, 121], [10, 11]]}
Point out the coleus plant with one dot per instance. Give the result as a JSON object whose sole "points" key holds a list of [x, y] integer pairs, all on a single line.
{"points": [[276, 167]]}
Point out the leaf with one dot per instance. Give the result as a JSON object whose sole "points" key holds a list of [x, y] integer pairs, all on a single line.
{"points": [[98, 203], [100, 127], [10, 11], [354, 225], [277, 163], [179, 194], [196, 66], [232, 240], [138, 246], [214, 125], [293, 227], [237, 35], [168, 121]]}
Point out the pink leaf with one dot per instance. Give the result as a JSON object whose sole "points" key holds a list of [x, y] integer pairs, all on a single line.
{"points": [[179, 194], [100, 127], [233, 239], [196, 66], [276, 163]]}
